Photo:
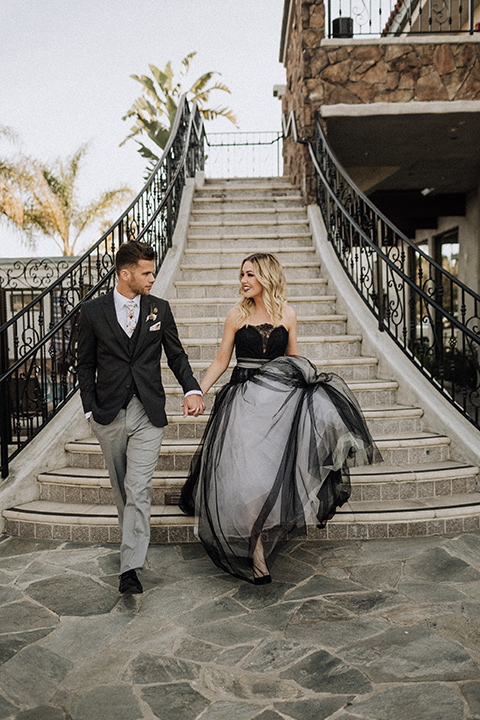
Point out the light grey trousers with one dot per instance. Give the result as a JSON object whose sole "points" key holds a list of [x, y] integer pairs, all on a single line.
{"points": [[131, 445]]}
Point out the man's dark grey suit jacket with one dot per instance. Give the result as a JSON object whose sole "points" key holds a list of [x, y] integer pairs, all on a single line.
{"points": [[108, 364]]}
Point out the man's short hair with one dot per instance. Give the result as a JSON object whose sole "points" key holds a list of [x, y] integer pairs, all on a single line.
{"points": [[131, 252]]}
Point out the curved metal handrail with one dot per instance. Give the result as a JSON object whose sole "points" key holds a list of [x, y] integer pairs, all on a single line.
{"points": [[38, 344], [431, 315]]}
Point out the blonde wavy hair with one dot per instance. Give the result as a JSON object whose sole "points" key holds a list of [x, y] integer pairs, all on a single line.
{"points": [[269, 273]]}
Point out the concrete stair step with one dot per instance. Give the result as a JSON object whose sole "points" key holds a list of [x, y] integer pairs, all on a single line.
{"points": [[213, 326], [403, 518], [244, 220], [420, 480], [318, 346], [176, 454], [281, 194], [396, 518], [92, 486], [382, 421], [273, 232], [227, 256], [196, 289], [388, 420], [354, 368], [228, 270], [409, 448], [248, 245], [413, 447], [233, 213], [237, 203], [393, 420], [234, 191], [184, 308], [369, 393], [439, 505], [92, 523], [372, 483]]}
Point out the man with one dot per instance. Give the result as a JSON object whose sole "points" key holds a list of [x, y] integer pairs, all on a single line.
{"points": [[121, 335]]}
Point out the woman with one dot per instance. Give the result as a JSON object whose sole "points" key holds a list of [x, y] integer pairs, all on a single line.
{"points": [[275, 450]]}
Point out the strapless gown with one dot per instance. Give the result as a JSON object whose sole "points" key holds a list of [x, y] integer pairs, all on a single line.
{"points": [[275, 453]]}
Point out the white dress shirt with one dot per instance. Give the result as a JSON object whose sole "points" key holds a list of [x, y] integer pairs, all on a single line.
{"points": [[121, 308]]}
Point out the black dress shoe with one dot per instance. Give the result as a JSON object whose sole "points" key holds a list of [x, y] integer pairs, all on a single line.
{"points": [[129, 583]]}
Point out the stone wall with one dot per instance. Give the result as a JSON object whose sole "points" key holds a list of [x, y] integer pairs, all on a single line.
{"points": [[306, 32], [328, 72], [399, 72]]}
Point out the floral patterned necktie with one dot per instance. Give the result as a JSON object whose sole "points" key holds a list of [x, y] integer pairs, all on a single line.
{"points": [[131, 317]]}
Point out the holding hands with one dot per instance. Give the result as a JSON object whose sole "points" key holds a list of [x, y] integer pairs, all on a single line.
{"points": [[193, 405]]}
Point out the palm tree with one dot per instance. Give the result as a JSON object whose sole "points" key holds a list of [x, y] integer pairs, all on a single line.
{"points": [[13, 176], [37, 197], [154, 111]]}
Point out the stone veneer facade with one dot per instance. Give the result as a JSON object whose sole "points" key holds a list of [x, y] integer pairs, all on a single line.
{"points": [[396, 70]]}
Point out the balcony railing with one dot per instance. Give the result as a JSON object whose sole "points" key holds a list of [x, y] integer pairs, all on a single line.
{"points": [[38, 344], [244, 154], [385, 18]]}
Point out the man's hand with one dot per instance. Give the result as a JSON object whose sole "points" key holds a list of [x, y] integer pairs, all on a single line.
{"points": [[193, 405]]}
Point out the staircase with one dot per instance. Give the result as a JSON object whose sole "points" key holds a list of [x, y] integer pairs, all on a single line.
{"points": [[418, 489]]}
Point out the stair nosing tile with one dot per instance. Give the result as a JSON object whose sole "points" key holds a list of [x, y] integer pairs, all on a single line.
{"points": [[303, 249], [228, 300], [215, 319]]}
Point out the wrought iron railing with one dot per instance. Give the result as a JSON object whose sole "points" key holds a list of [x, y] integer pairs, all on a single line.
{"points": [[351, 18], [21, 280], [430, 314], [38, 345], [244, 154]]}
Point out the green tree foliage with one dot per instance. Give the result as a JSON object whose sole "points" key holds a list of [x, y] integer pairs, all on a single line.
{"points": [[38, 197], [13, 177], [154, 111]]}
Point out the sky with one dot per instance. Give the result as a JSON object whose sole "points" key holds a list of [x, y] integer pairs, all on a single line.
{"points": [[65, 69]]}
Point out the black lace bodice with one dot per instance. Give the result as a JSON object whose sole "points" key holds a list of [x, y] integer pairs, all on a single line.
{"points": [[261, 341]]}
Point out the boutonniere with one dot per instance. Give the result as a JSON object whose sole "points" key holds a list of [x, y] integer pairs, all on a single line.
{"points": [[152, 315]]}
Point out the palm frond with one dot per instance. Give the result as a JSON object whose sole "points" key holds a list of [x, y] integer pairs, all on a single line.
{"points": [[221, 86], [97, 209], [146, 152], [11, 206], [186, 62], [145, 81], [160, 77], [202, 82], [212, 113]]}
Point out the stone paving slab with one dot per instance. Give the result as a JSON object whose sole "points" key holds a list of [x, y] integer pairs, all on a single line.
{"points": [[349, 630]]}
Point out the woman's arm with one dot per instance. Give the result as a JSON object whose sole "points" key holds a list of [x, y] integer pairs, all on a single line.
{"points": [[290, 322], [222, 358]]}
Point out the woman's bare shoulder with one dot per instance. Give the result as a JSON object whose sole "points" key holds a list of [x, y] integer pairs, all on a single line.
{"points": [[233, 319]]}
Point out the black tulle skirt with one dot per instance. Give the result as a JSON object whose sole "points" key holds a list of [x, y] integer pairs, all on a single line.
{"points": [[274, 456]]}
